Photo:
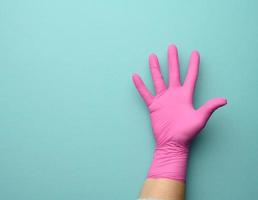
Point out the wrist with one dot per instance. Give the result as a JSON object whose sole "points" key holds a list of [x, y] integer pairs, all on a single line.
{"points": [[169, 161]]}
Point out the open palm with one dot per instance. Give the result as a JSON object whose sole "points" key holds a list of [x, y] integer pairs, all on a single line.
{"points": [[173, 117]]}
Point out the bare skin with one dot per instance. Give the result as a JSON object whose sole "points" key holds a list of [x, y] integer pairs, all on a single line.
{"points": [[163, 189]]}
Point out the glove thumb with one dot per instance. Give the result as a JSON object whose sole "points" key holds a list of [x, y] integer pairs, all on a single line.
{"points": [[210, 106]]}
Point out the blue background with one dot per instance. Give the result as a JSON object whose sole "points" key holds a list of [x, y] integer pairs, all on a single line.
{"points": [[72, 125]]}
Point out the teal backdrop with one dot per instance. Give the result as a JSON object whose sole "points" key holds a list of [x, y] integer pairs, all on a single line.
{"points": [[72, 126]]}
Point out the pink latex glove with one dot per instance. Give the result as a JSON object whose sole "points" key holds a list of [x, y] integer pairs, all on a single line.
{"points": [[175, 122]]}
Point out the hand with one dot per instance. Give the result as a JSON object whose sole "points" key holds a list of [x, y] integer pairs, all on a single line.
{"points": [[175, 122]]}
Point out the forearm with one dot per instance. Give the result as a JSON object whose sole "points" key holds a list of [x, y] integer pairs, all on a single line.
{"points": [[163, 189], [166, 176]]}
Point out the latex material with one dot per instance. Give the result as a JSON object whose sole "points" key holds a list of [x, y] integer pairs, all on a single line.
{"points": [[175, 122]]}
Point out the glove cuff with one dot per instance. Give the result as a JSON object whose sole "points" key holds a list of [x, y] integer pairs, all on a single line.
{"points": [[169, 161]]}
